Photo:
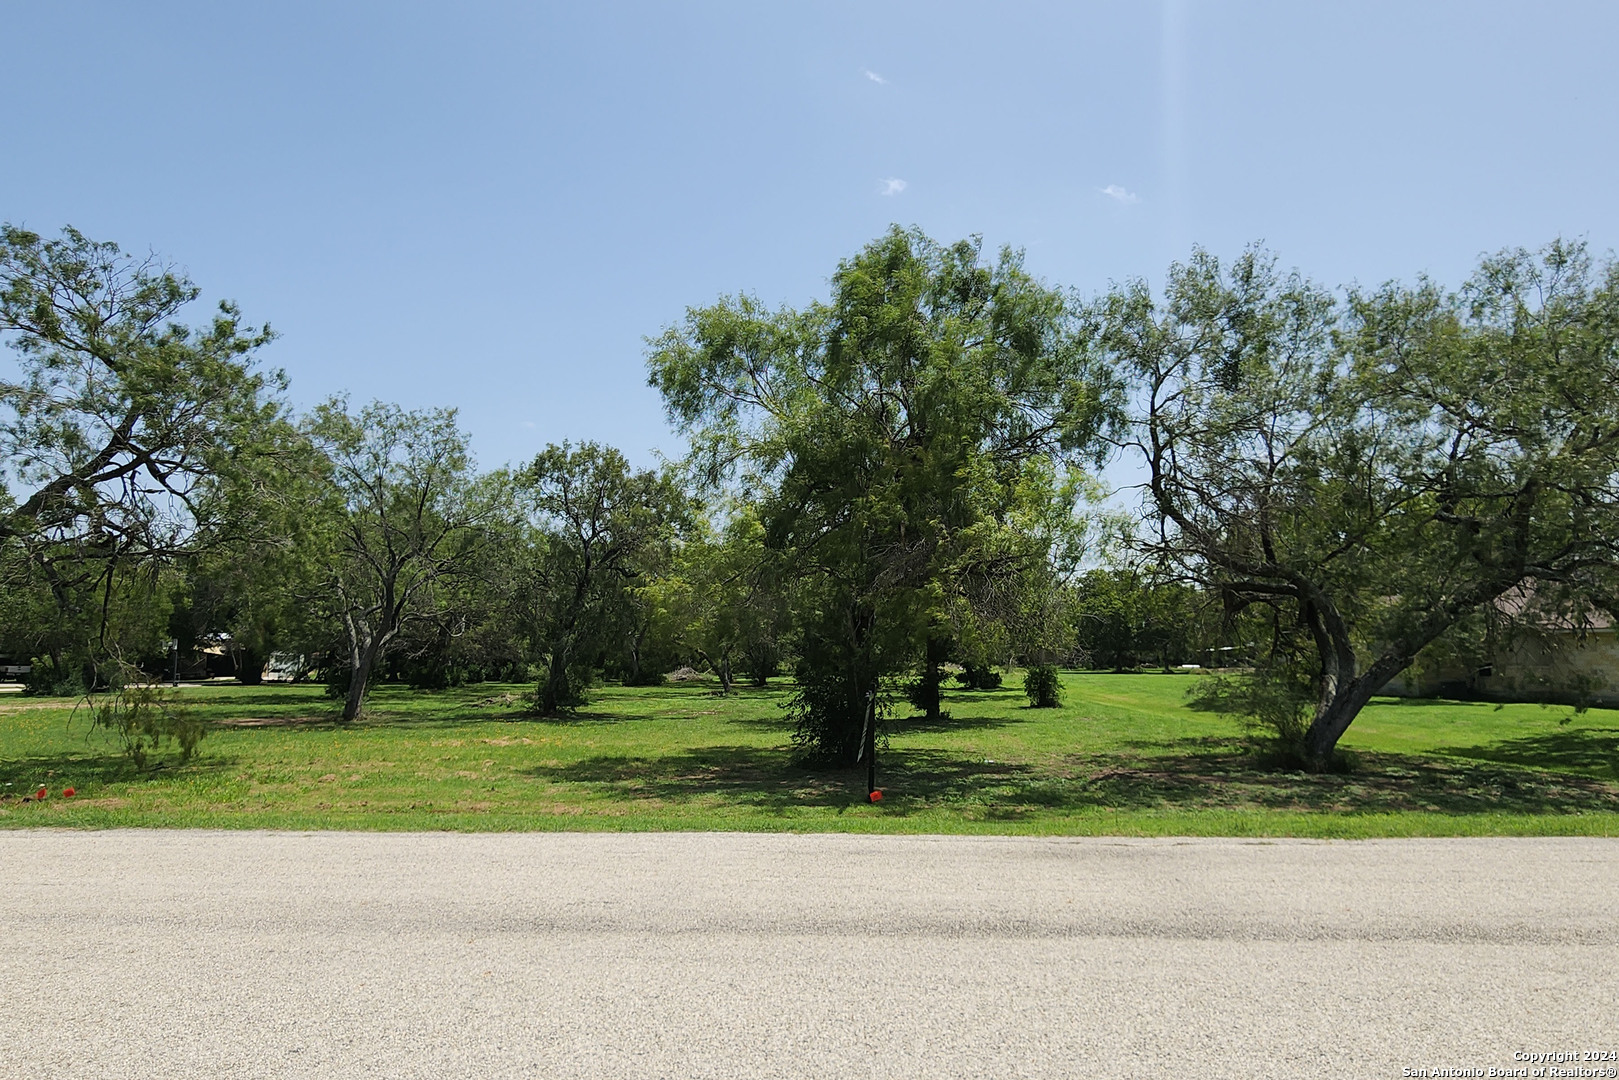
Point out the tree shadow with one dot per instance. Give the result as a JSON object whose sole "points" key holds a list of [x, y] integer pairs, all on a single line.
{"points": [[759, 777], [474, 705], [894, 725], [256, 698], [1208, 775], [1588, 751], [98, 766], [921, 725], [999, 694], [1238, 779], [331, 721], [767, 778]]}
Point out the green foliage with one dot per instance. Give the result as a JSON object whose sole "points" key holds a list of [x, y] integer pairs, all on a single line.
{"points": [[48, 677], [1043, 687], [1124, 619], [884, 435], [565, 694], [143, 717], [833, 682], [762, 661], [596, 529], [722, 599], [336, 678], [979, 677], [1274, 704], [927, 692], [407, 518], [1372, 473], [259, 583], [119, 415]]}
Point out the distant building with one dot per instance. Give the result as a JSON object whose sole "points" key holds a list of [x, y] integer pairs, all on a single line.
{"points": [[1534, 654]]}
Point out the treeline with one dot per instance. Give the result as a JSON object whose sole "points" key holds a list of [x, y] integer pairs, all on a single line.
{"points": [[883, 489]]}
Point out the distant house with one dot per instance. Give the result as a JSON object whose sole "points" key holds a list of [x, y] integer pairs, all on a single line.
{"points": [[1538, 654]]}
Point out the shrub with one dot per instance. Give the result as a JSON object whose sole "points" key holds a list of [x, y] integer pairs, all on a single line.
{"points": [[1275, 705], [925, 694], [143, 717], [1043, 687], [979, 677], [338, 673], [762, 661], [834, 681], [46, 678]]}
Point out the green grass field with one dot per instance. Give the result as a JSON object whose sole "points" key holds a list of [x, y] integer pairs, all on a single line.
{"points": [[1122, 756]]}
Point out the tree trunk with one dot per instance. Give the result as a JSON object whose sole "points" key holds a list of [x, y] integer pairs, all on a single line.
{"points": [[932, 693], [724, 670], [1341, 703], [870, 749], [556, 690], [635, 656], [250, 667], [359, 683], [360, 677]]}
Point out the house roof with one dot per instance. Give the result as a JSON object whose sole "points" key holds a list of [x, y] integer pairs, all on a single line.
{"points": [[1532, 604]]}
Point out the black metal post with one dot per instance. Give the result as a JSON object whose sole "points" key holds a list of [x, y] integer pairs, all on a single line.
{"points": [[871, 744]]}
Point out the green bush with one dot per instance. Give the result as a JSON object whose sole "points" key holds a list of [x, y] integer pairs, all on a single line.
{"points": [[979, 677], [143, 717], [761, 662], [1043, 687], [831, 697], [1274, 704], [46, 679], [338, 674]]}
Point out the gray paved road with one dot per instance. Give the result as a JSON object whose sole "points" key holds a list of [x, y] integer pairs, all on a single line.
{"points": [[202, 954]]}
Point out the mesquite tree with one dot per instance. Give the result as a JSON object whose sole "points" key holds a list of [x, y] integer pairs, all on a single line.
{"points": [[596, 527], [878, 432], [1377, 469], [408, 514], [116, 418]]}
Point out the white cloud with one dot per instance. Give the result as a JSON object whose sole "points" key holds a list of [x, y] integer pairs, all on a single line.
{"points": [[1114, 191], [874, 77], [893, 185]]}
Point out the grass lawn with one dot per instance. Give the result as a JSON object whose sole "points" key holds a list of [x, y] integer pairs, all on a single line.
{"points": [[1122, 756]]}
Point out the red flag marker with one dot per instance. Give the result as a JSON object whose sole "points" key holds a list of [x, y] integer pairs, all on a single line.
{"points": [[41, 793], [876, 796], [67, 793]]}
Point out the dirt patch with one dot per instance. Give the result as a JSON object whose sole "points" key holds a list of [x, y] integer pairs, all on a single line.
{"points": [[34, 704], [270, 721]]}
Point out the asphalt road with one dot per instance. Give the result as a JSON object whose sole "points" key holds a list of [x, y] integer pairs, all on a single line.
{"points": [[223, 955]]}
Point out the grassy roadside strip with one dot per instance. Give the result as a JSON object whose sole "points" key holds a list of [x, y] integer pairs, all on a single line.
{"points": [[1123, 756]]}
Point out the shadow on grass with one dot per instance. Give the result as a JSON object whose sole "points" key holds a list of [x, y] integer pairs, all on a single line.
{"points": [[753, 776], [301, 697], [1589, 751], [98, 766], [767, 778], [921, 725], [1210, 775], [1374, 783], [781, 723], [606, 705]]}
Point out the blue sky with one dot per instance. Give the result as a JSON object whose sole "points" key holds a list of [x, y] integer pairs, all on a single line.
{"points": [[491, 205]]}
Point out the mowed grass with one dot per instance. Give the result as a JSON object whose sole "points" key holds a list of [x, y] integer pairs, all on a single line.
{"points": [[1124, 755]]}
